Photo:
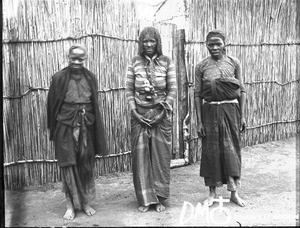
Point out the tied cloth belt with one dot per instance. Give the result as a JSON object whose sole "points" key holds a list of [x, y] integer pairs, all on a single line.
{"points": [[80, 132], [222, 102], [77, 116], [142, 94]]}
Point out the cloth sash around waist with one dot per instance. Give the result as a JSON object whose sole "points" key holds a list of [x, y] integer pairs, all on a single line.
{"points": [[143, 110], [222, 102], [157, 97], [72, 113], [143, 93]]}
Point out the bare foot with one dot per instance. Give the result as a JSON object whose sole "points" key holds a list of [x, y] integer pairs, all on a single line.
{"points": [[143, 208], [88, 210], [70, 214], [237, 200], [210, 200], [159, 207]]}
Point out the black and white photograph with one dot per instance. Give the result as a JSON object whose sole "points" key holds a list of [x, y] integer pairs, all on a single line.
{"points": [[150, 113]]}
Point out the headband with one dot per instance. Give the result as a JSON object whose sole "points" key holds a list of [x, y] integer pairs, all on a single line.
{"points": [[216, 33], [77, 46]]}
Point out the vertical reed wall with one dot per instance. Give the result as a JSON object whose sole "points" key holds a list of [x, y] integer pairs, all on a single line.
{"points": [[38, 33], [36, 37], [262, 34]]}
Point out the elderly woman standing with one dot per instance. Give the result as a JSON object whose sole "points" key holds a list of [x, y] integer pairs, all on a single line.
{"points": [[77, 130], [219, 99], [150, 90]]}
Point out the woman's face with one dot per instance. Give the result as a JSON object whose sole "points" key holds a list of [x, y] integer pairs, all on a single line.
{"points": [[215, 46], [150, 45], [76, 58]]}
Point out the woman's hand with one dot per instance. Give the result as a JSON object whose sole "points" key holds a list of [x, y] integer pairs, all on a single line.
{"points": [[140, 118], [200, 130], [157, 118], [243, 125]]}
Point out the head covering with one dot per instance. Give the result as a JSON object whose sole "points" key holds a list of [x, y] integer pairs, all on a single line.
{"points": [[78, 46], [152, 32], [216, 33]]}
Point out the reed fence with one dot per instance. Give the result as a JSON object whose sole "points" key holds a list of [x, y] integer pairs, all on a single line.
{"points": [[262, 34], [36, 37]]}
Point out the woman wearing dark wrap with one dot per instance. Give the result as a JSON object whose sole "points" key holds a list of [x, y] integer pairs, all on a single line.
{"points": [[77, 130], [219, 100], [150, 90]]}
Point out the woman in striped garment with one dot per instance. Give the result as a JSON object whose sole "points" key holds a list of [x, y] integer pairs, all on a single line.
{"points": [[151, 90], [219, 99]]}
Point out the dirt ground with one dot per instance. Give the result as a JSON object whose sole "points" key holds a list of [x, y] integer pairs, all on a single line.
{"points": [[268, 186]]}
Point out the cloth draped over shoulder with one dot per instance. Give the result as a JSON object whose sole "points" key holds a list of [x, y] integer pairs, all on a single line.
{"points": [[221, 148], [218, 80], [220, 89], [56, 96]]}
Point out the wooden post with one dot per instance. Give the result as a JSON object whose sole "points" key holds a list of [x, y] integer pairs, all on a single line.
{"points": [[182, 83], [298, 88]]}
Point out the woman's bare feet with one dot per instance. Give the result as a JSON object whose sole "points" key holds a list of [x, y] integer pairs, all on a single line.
{"points": [[159, 207], [143, 208], [88, 210], [236, 199], [70, 214], [212, 195]]}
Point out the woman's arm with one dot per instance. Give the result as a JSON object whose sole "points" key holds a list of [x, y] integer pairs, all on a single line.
{"points": [[130, 88], [171, 83], [171, 93], [198, 100], [130, 92], [242, 98]]}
